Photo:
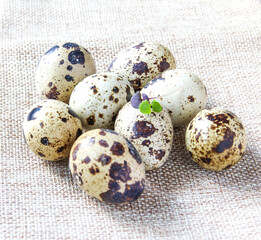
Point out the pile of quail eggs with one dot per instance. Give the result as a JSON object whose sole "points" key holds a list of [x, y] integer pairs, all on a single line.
{"points": [[119, 142]]}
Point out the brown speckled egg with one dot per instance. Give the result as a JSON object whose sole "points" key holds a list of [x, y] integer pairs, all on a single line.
{"points": [[216, 139], [142, 62], [107, 166], [61, 68], [98, 98], [50, 128], [151, 134], [181, 92]]}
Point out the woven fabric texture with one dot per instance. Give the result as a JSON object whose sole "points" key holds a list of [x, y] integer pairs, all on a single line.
{"points": [[220, 41]]}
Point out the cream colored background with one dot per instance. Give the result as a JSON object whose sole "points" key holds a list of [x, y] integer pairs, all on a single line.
{"points": [[219, 40]]}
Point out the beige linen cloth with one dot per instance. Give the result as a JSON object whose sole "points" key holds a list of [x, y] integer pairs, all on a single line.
{"points": [[220, 41]]}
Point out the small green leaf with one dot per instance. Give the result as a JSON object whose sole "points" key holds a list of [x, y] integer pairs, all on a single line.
{"points": [[145, 107], [156, 107]]}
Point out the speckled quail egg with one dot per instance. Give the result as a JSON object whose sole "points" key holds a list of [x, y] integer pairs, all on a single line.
{"points": [[142, 62], [61, 68], [216, 139], [181, 92], [50, 128], [151, 134], [98, 98], [107, 166]]}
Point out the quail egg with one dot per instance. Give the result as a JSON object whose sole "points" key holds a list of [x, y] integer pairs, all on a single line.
{"points": [[61, 68], [142, 62], [98, 98], [107, 166], [216, 139], [151, 134], [50, 128], [181, 92]]}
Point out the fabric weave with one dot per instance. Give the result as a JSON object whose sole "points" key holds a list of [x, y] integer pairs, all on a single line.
{"points": [[220, 41]]}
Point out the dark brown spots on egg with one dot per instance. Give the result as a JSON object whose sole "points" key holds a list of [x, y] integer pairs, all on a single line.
{"points": [[150, 151], [76, 57], [136, 83], [60, 149], [64, 120], [140, 68], [94, 169], [53, 93], [131, 193], [41, 154], [90, 120], [94, 89], [198, 136], [75, 151], [120, 171], [79, 133], [133, 151], [113, 185], [86, 160], [163, 65], [206, 160], [45, 141], [31, 135], [191, 98], [100, 115], [115, 89], [50, 84], [128, 92], [103, 143], [240, 146], [146, 143], [190, 126], [117, 149], [61, 62], [102, 133], [116, 100], [143, 129], [68, 78], [241, 126], [227, 142], [105, 107], [104, 159], [159, 154], [41, 124], [69, 68], [111, 98], [218, 119], [33, 114]]}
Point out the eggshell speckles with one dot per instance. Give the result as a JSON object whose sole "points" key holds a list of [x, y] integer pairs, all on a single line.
{"points": [[50, 128], [107, 166], [182, 93], [98, 98], [151, 134], [61, 68], [142, 62], [216, 139]]}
